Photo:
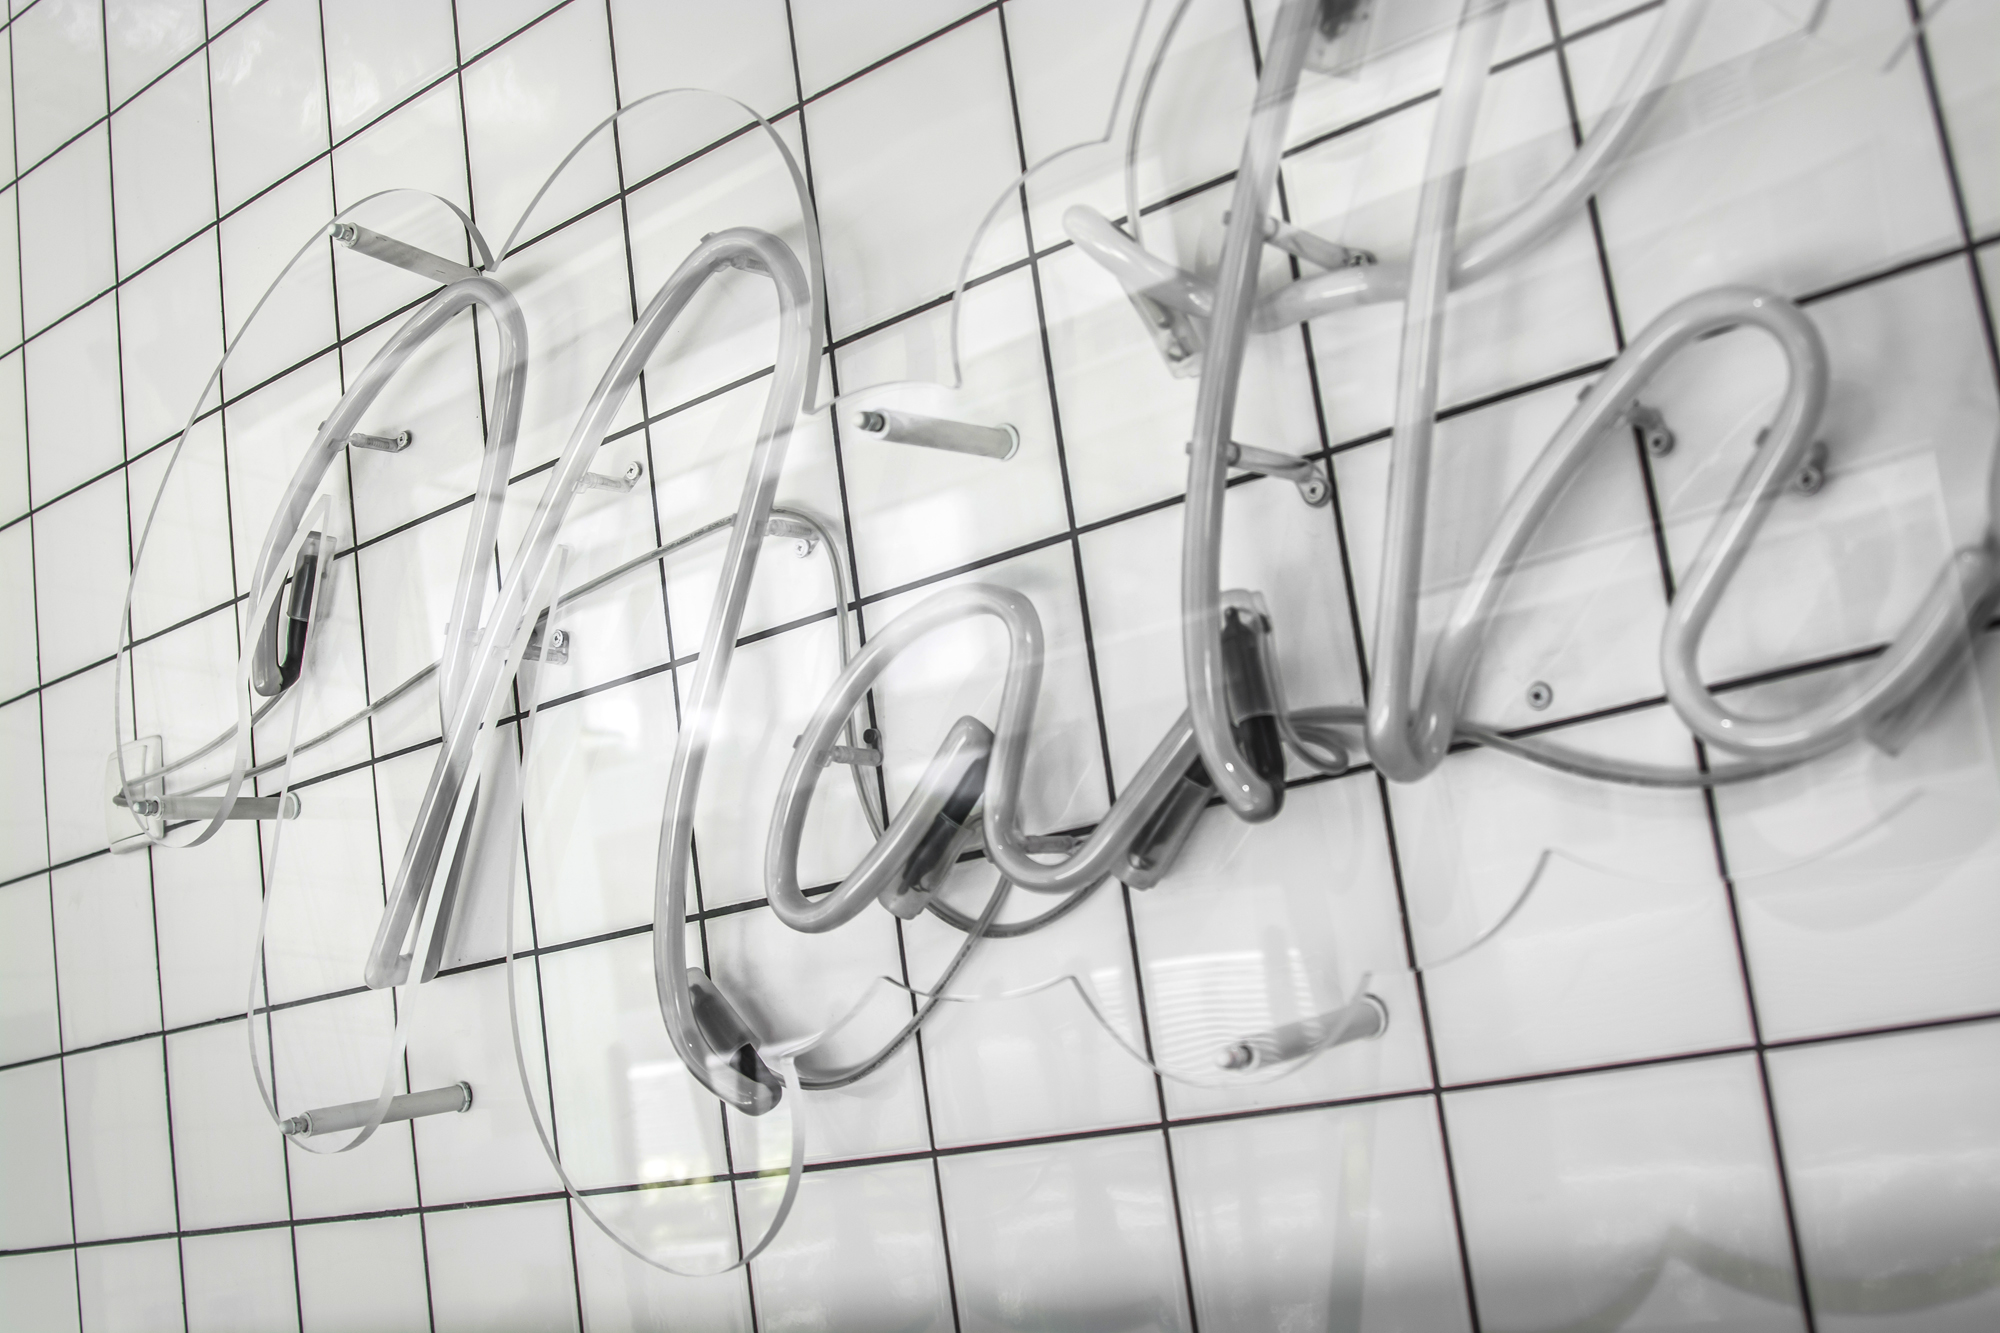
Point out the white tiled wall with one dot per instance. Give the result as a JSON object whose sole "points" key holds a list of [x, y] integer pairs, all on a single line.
{"points": [[1730, 1065]]}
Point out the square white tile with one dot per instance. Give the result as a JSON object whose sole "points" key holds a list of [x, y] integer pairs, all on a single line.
{"points": [[328, 1054], [19, 667], [900, 194], [833, 45], [121, 1159], [418, 147], [690, 1227], [296, 320], [863, 1250], [389, 1249], [527, 104], [1068, 1235], [73, 400], [42, 1288], [461, 1035], [170, 327], [268, 81], [1871, 865], [629, 1112], [66, 235], [27, 967], [378, 54], [1649, 1196], [1895, 1174], [206, 902], [1332, 1218], [131, 1286], [490, 1266], [1000, 1067], [76, 740], [240, 1282], [1788, 161], [1564, 922], [105, 950], [917, 512], [144, 37], [744, 54], [58, 75], [13, 434], [229, 1159], [1241, 937], [34, 1157], [25, 846], [163, 166]]}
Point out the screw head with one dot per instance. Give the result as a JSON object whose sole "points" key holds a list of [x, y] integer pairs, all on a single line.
{"points": [[559, 640], [635, 471], [1540, 695], [1314, 490], [1810, 479]]}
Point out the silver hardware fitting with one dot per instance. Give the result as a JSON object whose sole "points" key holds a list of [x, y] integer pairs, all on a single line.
{"points": [[958, 437], [868, 754], [387, 444], [804, 539], [1305, 473], [353, 1115], [1650, 422], [400, 254], [1810, 479], [1654, 433], [1358, 1020], [206, 807], [1540, 695], [1314, 249], [622, 483], [555, 652]]}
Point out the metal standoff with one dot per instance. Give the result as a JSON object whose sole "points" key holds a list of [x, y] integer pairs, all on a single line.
{"points": [[1304, 473], [1810, 478], [400, 253], [959, 437], [1653, 430], [353, 1115], [1358, 1021], [555, 651], [388, 444], [805, 540], [207, 807], [623, 482]]}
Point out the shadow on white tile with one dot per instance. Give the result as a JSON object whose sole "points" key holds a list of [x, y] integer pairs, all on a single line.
{"points": [[74, 431], [742, 53], [24, 829], [19, 660], [206, 904], [832, 45], [170, 329], [258, 241]]}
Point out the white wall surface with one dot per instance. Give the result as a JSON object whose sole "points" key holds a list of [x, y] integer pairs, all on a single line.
{"points": [[1733, 1064]]}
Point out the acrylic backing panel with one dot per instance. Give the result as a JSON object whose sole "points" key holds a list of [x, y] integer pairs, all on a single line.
{"points": [[1719, 1059]]}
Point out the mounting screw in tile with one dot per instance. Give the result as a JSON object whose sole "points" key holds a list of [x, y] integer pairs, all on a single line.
{"points": [[387, 444], [1811, 476], [623, 483], [1540, 696]]}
